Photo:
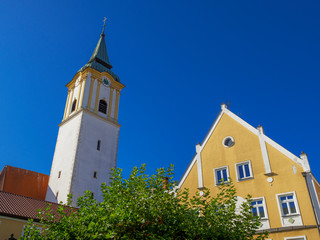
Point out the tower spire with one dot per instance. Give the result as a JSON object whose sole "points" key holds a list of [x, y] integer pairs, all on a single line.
{"points": [[99, 59]]}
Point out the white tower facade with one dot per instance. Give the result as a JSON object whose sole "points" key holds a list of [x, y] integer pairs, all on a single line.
{"points": [[87, 142]]}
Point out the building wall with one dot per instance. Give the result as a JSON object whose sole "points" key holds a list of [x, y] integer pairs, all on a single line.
{"points": [[286, 175], [63, 160], [89, 159], [191, 181], [309, 234], [10, 225]]}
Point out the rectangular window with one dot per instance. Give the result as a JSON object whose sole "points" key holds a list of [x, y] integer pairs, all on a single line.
{"points": [[258, 208], [296, 238], [244, 170], [287, 204], [98, 145], [95, 174], [59, 174], [221, 175], [24, 226], [57, 194]]}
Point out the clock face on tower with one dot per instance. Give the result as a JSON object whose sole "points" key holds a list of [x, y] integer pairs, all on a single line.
{"points": [[106, 82]]}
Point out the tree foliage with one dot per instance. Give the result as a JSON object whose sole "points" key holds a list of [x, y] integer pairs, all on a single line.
{"points": [[147, 207]]}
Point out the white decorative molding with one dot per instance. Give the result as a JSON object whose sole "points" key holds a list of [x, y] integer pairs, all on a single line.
{"points": [[305, 162], [199, 166], [264, 151], [186, 173], [266, 139]]}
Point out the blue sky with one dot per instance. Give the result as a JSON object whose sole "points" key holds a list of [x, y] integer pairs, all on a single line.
{"points": [[179, 61]]}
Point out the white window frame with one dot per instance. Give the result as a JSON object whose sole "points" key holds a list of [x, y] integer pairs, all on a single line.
{"points": [[295, 238], [238, 174], [24, 226], [215, 170], [295, 200], [232, 139], [264, 206]]}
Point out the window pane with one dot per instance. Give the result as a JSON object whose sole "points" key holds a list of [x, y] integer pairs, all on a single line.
{"points": [[285, 208], [240, 172], [219, 176], [247, 170], [253, 203], [282, 198], [292, 207], [254, 212], [260, 202], [225, 177], [290, 197], [261, 212]]}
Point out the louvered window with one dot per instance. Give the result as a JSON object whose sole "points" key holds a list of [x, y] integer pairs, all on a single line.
{"points": [[103, 106]]}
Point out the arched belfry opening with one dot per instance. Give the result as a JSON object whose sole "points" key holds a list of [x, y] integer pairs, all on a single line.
{"points": [[103, 106], [74, 104]]}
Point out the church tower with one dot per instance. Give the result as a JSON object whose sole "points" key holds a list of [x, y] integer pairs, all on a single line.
{"points": [[87, 142]]}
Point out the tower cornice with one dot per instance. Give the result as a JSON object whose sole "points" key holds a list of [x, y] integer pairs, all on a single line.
{"points": [[96, 75], [92, 114]]}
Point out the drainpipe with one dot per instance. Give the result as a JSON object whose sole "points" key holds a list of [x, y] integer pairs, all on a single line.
{"points": [[304, 174]]}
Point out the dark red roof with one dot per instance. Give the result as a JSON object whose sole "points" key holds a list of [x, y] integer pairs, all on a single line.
{"points": [[18, 206]]}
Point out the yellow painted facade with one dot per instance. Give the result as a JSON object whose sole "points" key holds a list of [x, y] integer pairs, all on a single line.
{"points": [[286, 174], [13, 226]]}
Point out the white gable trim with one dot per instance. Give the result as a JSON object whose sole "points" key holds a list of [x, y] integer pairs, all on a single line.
{"points": [[224, 110], [212, 128], [186, 173], [267, 139], [284, 151]]}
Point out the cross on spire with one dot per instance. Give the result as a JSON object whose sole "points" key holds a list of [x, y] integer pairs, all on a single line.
{"points": [[104, 24]]}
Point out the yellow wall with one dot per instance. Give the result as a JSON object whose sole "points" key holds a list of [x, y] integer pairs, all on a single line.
{"points": [[191, 181], [311, 234], [11, 225], [247, 147]]}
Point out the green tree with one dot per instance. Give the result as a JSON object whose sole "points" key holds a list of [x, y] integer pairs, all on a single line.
{"points": [[150, 207]]}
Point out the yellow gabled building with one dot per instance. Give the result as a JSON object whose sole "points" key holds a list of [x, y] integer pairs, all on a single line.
{"points": [[285, 193]]}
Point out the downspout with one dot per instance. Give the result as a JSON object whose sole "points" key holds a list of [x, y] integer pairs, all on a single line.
{"points": [[304, 174]]}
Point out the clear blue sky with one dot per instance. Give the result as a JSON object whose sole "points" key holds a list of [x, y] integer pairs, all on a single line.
{"points": [[179, 61]]}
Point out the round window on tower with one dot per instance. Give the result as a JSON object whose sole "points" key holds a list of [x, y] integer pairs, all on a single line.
{"points": [[228, 141]]}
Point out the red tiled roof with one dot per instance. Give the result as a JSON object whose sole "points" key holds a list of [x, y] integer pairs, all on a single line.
{"points": [[18, 206]]}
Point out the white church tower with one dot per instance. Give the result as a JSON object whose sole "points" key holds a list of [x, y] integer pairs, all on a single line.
{"points": [[87, 143]]}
